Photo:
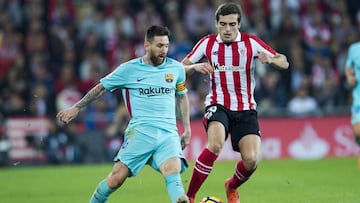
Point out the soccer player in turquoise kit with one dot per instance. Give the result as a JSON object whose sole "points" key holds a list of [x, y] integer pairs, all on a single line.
{"points": [[352, 73], [151, 86]]}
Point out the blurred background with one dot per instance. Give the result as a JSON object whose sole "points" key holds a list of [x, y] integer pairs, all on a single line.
{"points": [[53, 51]]}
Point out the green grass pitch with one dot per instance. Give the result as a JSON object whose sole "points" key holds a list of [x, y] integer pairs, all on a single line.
{"points": [[275, 181]]}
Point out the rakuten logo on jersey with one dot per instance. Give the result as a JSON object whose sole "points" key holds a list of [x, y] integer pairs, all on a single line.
{"points": [[154, 91]]}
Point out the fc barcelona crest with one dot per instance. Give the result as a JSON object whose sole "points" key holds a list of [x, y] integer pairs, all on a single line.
{"points": [[169, 77]]}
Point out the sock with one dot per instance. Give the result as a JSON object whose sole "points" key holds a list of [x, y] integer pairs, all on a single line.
{"points": [[202, 169], [102, 192], [357, 140], [240, 176], [174, 186]]}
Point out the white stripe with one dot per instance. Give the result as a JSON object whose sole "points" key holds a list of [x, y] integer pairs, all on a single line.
{"points": [[200, 171], [239, 175], [203, 165]]}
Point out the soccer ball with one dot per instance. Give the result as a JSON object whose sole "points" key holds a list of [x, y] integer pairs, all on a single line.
{"points": [[211, 199]]}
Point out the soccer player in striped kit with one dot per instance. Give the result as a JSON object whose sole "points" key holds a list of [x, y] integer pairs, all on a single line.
{"points": [[230, 104], [352, 73]]}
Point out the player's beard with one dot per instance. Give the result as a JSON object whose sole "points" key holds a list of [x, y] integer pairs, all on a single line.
{"points": [[157, 60]]}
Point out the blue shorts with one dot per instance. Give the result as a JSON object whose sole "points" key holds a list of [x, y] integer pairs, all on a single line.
{"points": [[139, 149]]}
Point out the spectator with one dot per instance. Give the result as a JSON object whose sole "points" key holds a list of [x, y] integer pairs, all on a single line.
{"points": [[198, 18], [60, 145], [302, 104], [10, 43]]}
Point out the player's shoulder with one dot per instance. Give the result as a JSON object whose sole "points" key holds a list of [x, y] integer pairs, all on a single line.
{"points": [[129, 64], [173, 62], [208, 37], [246, 36], [134, 61]]}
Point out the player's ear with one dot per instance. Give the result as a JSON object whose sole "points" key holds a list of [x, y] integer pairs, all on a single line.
{"points": [[146, 45]]}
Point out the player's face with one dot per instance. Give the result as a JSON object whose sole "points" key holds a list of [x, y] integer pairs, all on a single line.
{"points": [[158, 49], [228, 27]]}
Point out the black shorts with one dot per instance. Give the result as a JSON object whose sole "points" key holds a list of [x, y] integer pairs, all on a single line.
{"points": [[237, 123]]}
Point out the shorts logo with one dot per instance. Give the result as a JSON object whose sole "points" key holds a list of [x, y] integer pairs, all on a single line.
{"points": [[169, 77], [125, 143], [210, 112]]}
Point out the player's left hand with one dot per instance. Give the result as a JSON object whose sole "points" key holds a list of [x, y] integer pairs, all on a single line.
{"points": [[264, 58], [185, 139]]}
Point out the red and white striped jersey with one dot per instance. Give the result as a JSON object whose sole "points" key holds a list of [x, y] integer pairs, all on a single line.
{"points": [[232, 82]]}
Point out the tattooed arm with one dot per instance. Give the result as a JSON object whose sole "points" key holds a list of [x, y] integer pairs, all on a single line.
{"points": [[69, 114]]}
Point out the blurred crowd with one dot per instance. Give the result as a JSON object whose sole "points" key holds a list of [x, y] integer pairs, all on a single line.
{"points": [[53, 51]]}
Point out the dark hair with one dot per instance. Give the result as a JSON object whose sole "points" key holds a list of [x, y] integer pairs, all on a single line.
{"points": [[156, 30], [227, 9]]}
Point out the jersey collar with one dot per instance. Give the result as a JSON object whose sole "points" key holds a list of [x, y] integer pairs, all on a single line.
{"points": [[142, 61]]}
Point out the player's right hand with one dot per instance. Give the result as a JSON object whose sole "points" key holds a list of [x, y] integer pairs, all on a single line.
{"points": [[67, 115], [204, 68]]}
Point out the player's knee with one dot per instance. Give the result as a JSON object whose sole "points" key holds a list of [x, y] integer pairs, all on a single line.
{"points": [[250, 160], [170, 171], [117, 176], [215, 147], [170, 166], [114, 181]]}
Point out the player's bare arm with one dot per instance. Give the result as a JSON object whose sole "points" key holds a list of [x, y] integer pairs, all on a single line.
{"points": [[350, 76], [204, 68], [69, 114], [183, 104], [278, 61]]}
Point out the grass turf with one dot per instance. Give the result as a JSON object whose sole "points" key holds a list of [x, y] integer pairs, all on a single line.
{"points": [[275, 181]]}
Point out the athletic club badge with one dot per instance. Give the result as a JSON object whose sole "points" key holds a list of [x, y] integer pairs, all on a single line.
{"points": [[169, 77]]}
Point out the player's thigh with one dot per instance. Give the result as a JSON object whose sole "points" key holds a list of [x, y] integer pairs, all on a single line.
{"points": [[249, 146], [216, 121], [168, 155], [216, 135], [135, 152], [243, 124]]}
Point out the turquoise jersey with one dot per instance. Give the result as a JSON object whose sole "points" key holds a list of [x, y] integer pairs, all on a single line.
{"points": [[149, 92], [353, 61]]}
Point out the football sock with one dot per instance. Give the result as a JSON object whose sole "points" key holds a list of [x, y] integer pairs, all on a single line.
{"points": [[102, 192], [202, 169], [357, 140], [240, 176], [174, 186]]}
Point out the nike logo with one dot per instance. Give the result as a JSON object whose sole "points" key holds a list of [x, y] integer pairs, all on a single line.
{"points": [[140, 79]]}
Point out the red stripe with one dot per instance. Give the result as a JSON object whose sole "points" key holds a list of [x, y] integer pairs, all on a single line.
{"points": [[223, 79], [209, 47], [248, 72], [128, 105], [236, 75]]}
